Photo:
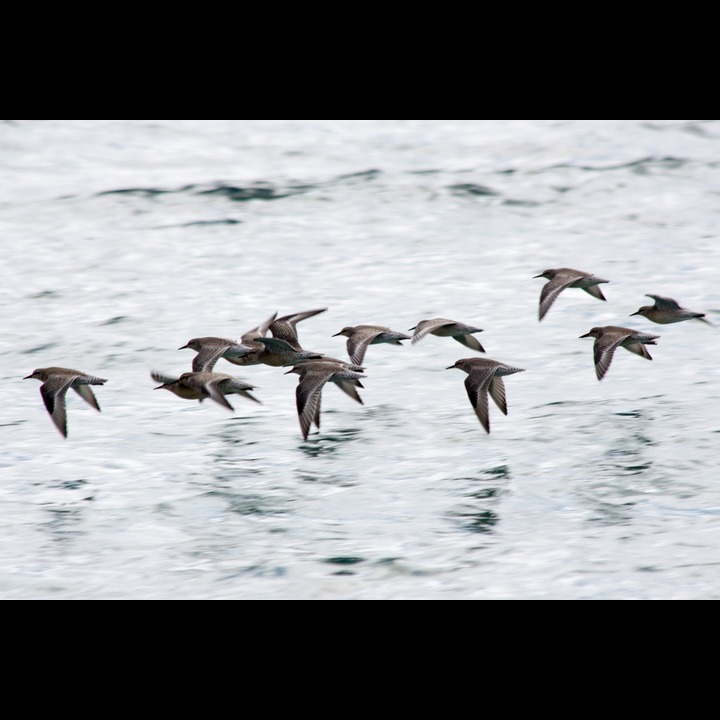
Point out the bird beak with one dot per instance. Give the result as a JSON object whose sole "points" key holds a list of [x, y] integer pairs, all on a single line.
{"points": [[182, 347], [412, 328], [537, 276], [585, 335], [450, 367], [289, 371], [336, 334], [28, 377], [635, 313]]}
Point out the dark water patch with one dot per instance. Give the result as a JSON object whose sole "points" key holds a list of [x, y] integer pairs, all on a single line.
{"points": [[20, 422], [425, 172], [344, 560], [521, 203], [248, 504], [640, 166], [115, 320], [371, 174], [205, 223], [142, 192], [39, 348], [607, 514], [258, 191], [471, 190], [327, 479], [42, 295], [475, 520]]}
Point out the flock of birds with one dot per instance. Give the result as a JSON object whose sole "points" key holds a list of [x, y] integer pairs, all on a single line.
{"points": [[282, 349]]}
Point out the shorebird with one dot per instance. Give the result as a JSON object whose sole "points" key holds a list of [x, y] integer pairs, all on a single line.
{"points": [[609, 337], [283, 348], [448, 328], [285, 328], [201, 385], [360, 336], [250, 339], [313, 376], [280, 353], [211, 349], [56, 381], [666, 310], [485, 376], [561, 278]]}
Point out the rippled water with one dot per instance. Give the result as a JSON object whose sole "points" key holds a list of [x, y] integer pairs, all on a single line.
{"points": [[123, 239]]}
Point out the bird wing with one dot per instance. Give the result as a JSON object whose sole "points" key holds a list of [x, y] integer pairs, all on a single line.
{"points": [[497, 393], [603, 351], [427, 326], [86, 393], [357, 344], [477, 384], [163, 379], [664, 303], [469, 341], [53, 393], [348, 387], [205, 360], [307, 397], [554, 287], [213, 391], [595, 291]]}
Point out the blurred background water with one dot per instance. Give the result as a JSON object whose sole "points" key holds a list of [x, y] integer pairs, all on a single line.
{"points": [[121, 240]]}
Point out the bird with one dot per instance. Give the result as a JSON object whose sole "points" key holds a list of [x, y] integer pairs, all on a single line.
{"points": [[204, 384], [250, 338], [56, 381], [313, 376], [666, 310], [609, 337], [285, 328], [211, 349], [561, 278], [448, 328], [485, 376], [360, 336], [284, 347], [279, 353]]}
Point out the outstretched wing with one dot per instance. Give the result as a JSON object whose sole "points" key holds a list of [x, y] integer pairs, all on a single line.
{"points": [[205, 360], [664, 303], [357, 344], [53, 394], [213, 391], [469, 341], [497, 393], [477, 383], [86, 393], [553, 288], [603, 351], [427, 326], [307, 397]]}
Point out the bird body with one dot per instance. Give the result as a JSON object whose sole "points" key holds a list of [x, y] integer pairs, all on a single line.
{"points": [[56, 382], [448, 328], [201, 385], [666, 310], [314, 374], [360, 337], [485, 377], [561, 278], [609, 337]]}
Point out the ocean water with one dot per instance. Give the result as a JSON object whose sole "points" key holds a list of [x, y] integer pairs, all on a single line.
{"points": [[123, 239]]}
